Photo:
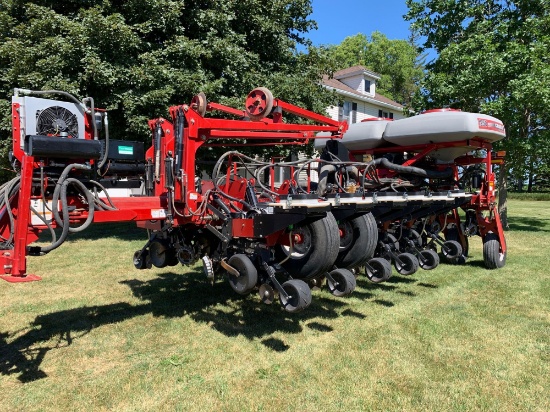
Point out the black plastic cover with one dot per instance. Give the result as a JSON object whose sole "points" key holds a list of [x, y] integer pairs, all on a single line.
{"points": [[62, 147]]}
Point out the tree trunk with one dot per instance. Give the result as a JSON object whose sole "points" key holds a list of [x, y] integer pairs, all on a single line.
{"points": [[502, 196], [531, 174]]}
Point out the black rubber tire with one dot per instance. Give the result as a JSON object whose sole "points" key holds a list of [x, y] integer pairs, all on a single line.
{"points": [[451, 250], [358, 243], [345, 282], [409, 266], [431, 259], [452, 234], [300, 296], [248, 278], [382, 270], [372, 229], [320, 252], [492, 256]]}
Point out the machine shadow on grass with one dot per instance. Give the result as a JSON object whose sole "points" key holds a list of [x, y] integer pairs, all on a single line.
{"points": [[528, 224], [126, 231], [168, 295], [23, 351], [171, 295]]}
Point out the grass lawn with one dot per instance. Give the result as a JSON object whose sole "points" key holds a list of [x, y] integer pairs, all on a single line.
{"points": [[95, 334]]}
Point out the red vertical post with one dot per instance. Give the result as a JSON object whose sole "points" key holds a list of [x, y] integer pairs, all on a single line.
{"points": [[15, 260]]}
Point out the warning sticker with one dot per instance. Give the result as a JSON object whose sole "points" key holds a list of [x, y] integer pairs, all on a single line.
{"points": [[158, 213], [487, 124]]}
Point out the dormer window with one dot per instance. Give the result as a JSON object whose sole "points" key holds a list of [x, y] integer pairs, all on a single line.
{"points": [[367, 86]]}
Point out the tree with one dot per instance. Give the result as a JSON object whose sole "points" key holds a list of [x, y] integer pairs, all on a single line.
{"points": [[492, 58], [138, 57], [397, 61]]}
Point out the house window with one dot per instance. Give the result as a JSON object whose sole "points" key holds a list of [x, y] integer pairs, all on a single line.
{"points": [[348, 111], [386, 115], [367, 86], [345, 111]]}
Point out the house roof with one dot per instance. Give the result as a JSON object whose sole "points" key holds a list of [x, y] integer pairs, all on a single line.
{"points": [[354, 71], [377, 98]]}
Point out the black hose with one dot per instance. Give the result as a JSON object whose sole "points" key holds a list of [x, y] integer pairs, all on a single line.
{"points": [[57, 191], [62, 93], [106, 153], [430, 174]]}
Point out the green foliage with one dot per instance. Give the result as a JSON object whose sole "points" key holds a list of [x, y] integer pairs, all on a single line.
{"points": [[493, 58], [138, 57], [398, 62]]}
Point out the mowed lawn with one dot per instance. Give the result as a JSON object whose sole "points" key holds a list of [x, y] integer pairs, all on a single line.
{"points": [[95, 334]]}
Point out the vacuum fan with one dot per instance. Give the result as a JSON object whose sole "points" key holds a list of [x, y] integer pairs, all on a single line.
{"points": [[57, 121]]}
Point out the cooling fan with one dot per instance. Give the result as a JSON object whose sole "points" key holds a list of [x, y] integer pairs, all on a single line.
{"points": [[57, 121]]}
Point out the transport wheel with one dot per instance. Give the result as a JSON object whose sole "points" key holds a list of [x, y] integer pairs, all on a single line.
{"points": [[381, 270], [409, 264], [430, 261], [344, 282], [314, 249], [372, 230], [246, 281], [451, 250], [299, 296], [492, 256], [358, 237], [259, 103]]}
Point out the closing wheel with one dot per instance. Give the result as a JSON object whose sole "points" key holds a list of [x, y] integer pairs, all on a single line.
{"points": [[259, 103], [429, 259], [198, 103], [344, 282], [314, 248], [299, 296], [408, 265], [358, 238], [492, 255], [140, 259], [451, 250], [379, 271], [248, 275], [452, 234]]}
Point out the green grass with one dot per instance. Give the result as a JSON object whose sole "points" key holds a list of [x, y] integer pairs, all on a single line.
{"points": [[96, 334], [540, 196]]}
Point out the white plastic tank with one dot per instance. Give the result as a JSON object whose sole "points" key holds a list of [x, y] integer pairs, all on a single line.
{"points": [[360, 136], [442, 126]]}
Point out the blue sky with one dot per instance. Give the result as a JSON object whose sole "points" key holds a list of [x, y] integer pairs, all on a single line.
{"points": [[338, 19]]}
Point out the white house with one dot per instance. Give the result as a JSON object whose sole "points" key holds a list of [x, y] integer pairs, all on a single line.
{"points": [[357, 87]]}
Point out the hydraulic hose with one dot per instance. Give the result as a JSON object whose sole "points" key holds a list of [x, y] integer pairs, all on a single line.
{"points": [[59, 195], [42, 92], [106, 154], [430, 174]]}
